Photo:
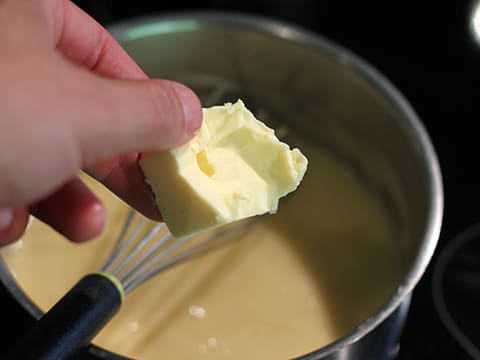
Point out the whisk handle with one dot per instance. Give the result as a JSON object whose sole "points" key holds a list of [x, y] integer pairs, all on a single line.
{"points": [[72, 322]]}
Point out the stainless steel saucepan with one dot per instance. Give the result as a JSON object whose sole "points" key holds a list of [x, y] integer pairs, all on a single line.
{"points": [[302, 79]]}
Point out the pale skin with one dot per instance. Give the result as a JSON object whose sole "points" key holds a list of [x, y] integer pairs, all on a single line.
{"points": [[71, 99]]}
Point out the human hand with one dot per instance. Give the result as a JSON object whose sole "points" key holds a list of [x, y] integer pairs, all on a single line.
{"points": [[70, 99]]}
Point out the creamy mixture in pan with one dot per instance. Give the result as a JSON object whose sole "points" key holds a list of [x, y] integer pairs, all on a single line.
{"points": [[294, 282]]}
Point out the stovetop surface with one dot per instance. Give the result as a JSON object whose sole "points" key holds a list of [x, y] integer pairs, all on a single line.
{"points": [[429, 51]]}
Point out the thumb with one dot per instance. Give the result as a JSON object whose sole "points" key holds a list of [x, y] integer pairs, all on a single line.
{"points": [[124, 116]]}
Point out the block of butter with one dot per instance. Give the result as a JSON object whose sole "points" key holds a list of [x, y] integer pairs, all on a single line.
{"points": [[234, 168]]}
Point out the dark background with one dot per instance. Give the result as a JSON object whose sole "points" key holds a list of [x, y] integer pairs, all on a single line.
{"points": [[427, 49]]}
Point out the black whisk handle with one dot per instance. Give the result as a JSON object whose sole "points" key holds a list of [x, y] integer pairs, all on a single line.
{"points": [[73, 322]]}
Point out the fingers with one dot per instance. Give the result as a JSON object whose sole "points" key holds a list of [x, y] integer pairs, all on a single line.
{"points": [[70, 118], [87, 43], [73, 210], [171, 110], [125, 116], [12, 224]]}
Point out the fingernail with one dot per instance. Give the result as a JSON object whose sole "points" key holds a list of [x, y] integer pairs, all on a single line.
{"points": [[6, 218], [192, 109]]}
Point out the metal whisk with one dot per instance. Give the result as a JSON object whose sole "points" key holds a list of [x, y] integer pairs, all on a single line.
{"points": [[138, 256], [140, 252]]}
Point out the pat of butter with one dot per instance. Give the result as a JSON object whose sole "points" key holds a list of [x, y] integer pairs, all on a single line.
{"points": [[234, 168]]}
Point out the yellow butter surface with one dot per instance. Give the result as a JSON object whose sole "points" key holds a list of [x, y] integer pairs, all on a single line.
{"points": [[234, 168]]}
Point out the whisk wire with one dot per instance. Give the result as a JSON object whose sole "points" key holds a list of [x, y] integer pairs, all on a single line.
{"points": [[134, 245], [143, 260], [123, 232], [143, 250], [124, 245], [154, 265]]}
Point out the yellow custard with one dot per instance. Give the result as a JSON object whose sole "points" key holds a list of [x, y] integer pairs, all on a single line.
{"points": [[295, 281]]}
